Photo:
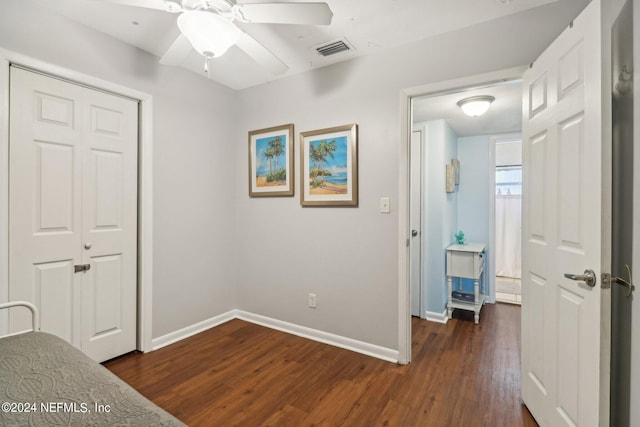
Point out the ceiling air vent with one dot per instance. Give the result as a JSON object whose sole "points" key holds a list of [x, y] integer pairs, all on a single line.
{"points": [[334, 47]]}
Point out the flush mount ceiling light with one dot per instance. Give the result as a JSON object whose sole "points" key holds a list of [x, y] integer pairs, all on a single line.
{"points": [[476, 105]]}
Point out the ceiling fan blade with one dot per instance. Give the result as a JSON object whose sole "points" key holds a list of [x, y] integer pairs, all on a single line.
{"points": [[177, 52], [172, 6], [284, 13], [261, 54]]}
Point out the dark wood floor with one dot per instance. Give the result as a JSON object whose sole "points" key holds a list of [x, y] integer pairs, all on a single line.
{"points": [[247, 375]]}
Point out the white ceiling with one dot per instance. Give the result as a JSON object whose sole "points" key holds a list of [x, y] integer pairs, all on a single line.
{"points": [[370, 26], [504, 116]]}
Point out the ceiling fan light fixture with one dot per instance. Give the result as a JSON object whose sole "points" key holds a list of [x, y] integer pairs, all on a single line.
{"points": [[211, 35], [476, 105]]}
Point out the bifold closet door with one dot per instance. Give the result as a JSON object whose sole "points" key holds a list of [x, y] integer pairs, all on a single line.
{"points": [[73, 211]]}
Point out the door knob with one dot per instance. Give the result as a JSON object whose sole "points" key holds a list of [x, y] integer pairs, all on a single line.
{"points": [[588, 277], [81, 267], [414, 233], [87, 245], [608, 280]]}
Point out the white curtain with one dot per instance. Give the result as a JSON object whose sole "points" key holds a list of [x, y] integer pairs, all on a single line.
{"points": [[508, 244]]}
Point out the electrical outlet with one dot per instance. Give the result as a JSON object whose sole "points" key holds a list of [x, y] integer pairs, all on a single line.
{"points": [[312, 300]]}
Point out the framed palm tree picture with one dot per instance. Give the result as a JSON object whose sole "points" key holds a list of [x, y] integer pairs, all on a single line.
{"points": [[329, 166], [271, 162]]}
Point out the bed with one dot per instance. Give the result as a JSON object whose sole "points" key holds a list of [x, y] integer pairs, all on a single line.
{"points": [[46, 381]]}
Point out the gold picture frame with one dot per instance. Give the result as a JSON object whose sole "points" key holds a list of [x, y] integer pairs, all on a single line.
{"points": [[329, 166], [271, 162]]}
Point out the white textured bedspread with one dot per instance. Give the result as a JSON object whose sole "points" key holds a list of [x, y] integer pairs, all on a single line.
{"points": [[44, 381]]}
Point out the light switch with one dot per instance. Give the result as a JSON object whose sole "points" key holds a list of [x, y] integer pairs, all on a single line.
{"points": [[385, 205]]}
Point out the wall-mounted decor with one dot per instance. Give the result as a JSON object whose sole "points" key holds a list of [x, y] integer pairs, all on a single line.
{"points": [[456, 170], [450, 179], [329, 166], [271, 161]]}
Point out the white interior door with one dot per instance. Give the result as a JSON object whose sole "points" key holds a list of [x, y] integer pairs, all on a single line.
{"points": [[44, 207], [416, 220], [73, 201], [565, 322], [109, 228]]}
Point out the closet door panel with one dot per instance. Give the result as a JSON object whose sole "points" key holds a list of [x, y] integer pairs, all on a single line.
{"points": [[55, 297], [109, 225], [45, 152], [105, 295], [73, 202]]}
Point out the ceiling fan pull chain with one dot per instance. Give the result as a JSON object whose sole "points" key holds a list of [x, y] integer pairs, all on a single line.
{"points": [[207, 65]]}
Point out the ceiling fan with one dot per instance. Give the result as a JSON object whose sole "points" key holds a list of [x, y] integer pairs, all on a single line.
{"points": [[208, 26]]}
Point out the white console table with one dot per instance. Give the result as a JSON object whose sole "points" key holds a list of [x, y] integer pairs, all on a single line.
{"points": [[466, 261]]}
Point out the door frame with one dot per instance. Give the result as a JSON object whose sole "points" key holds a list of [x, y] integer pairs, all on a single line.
{"points": [[421, 226], [145, 181], [404, 231], [492, 204], [635, 326]]}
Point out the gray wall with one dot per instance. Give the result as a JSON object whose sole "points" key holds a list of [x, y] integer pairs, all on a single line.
{"points": [[215, 248], [194, 125], [349, 257]]}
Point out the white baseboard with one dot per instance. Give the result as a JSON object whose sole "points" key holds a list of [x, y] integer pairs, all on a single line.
{"points": [[438, 317], [324, 337], [196, 328], [302, 331]]}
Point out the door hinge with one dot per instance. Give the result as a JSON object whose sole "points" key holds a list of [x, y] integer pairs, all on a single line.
{"points": [[81, 267]]}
